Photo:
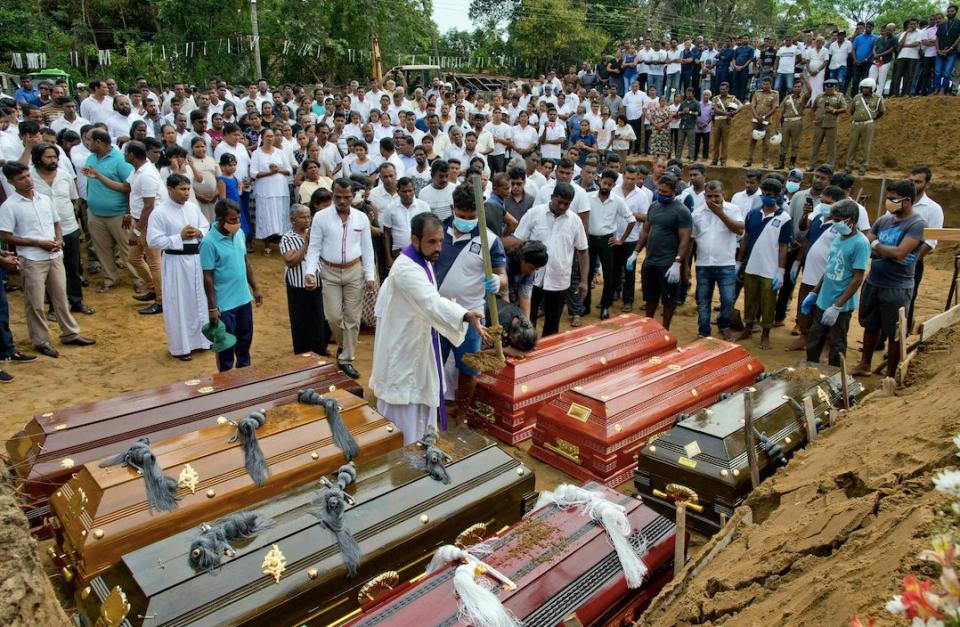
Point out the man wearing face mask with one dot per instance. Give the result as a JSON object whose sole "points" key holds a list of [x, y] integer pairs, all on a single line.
{"points": [[833, 301], [813, 257], [666, 236], [896, 240], [606, 211], [461, 277], [176, 227], [763, 255]]}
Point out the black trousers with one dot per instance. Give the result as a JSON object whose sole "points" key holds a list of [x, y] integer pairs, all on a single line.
{"points": [[600, 247], [621, 276], [308, 325], [917, 277], [818, 334], [71, 265], [552, 303], [903, 70], [497, 163], [637, 126], [701, 139], [786, 290]]}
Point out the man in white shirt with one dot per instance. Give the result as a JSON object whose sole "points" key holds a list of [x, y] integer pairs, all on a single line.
{"points": [[118, 124], [145, 195], [607, 209], [635, 103], [638, 199], [717, 226], [29, 221], [839, 54], [385, 193], [500, 133], [98, 106], [341, 246], [908, 61], [484, 140], [396, 219], [749, 198], [785, 66], [931, 211], [439, 193], [552, 135], [69, 120], [563, 234]]}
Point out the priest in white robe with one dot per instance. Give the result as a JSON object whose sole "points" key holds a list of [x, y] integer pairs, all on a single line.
{"points": [[176, 227], [411, 316]]}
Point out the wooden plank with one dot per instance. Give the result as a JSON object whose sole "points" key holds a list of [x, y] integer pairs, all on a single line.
{"points": [[809, 419], [943, 235], [939, 322], [902, 333], [750, 437], [906, 364]]}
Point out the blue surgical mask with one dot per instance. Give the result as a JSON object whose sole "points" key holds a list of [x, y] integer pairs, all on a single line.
{"points": [[664, 199], [464, 226], [842, 228], [792, 187], [767, 201], [824, 209]]}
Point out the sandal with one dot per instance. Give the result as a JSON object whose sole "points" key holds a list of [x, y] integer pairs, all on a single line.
{"points": [[266, 251], [576, 322], [187, 357]]}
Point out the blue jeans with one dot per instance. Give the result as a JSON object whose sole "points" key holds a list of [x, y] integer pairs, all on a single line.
{"points": [[656, 80], [239, 322], [7, 347], [672, 82], [739, 86], [783, 79], [725, 279], [839, 75], [472, 343], [943, 70]]}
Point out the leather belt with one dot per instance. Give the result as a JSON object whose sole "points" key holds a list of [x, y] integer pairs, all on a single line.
{"points": [[341, 266], [188, 249]]}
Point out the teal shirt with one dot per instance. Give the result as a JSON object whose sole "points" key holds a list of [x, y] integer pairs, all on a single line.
{"points": [[846, 255], [102, 201], [227, 258]]}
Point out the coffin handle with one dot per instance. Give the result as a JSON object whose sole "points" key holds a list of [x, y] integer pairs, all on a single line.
{"points": [[384, 582]]}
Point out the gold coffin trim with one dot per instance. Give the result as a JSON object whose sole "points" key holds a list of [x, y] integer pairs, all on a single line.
{"points": [[565, 449], [579, 412], [384, 582]]}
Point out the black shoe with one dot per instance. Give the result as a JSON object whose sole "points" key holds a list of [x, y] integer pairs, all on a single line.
{"points": [[349, 370], [19, 357], [187, 357], [146, 298], [48, 351], [5, 377], [604, 313], [80, 341], [84, 282], [153, 309]]}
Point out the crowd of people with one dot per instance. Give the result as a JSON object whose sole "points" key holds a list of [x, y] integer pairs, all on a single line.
{"points": [[174, 187]]}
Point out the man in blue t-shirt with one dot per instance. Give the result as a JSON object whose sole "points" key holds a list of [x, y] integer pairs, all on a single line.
{"points": [[834, 299], [743, 58], [863, 54], [896, 239], [228, 282]]}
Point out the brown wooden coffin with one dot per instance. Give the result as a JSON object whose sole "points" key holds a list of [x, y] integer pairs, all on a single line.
{"points": [[507, 401], [565, 569], [54, 444], [401, 516], [593, 431], [102, 513], [707, 452]]}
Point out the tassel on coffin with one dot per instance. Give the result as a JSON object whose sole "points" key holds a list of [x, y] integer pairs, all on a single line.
{"points": [[159, 487]]}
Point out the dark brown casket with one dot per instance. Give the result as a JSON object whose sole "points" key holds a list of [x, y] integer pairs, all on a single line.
{"points": [[102, 513], [707, 451], [401, 516], [593, 431], [565, 569], [507, 401], [54, 444]]}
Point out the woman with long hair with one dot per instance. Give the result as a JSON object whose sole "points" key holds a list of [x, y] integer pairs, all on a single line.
{"points": [[270, 168]]}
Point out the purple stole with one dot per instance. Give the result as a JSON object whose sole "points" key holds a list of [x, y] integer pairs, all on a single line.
{"points": [[418, 259]]}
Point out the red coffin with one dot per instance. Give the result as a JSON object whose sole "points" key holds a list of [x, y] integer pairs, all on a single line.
{"points": [[564, 567], [593, 431], [506, 402]]}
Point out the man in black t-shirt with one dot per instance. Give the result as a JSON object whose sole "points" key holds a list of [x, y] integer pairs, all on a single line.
{"points": [[666, 236]]}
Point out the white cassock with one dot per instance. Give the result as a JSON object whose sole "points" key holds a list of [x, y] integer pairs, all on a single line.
{"points": [[184, 301], [404, 376]]}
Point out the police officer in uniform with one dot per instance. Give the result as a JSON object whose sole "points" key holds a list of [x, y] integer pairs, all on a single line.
{"points": [[865, 108], [826, 109], [791, 124], [764, 105], [725, 106]]}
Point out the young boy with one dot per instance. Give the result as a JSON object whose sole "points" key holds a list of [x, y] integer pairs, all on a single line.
{"points": [[834, 299]]}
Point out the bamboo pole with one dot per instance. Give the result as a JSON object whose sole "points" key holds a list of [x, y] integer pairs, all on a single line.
{"points": [[494, 320], [809, 419], [843, 382]]}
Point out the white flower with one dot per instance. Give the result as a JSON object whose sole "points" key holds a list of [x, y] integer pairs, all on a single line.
{"points": [[956, 442], [948, 482], [896, 606], [930, 622]]}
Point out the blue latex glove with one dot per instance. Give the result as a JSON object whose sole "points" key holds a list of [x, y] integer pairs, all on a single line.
{"points": [[632, 261], [778, 280], [807, 305], [673, 273], [794, 272], [830, 316], [492, 284]]}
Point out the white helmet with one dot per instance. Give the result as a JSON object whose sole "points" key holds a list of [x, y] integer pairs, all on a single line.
{"points": [[759, 134], [732, 106], [776, 139], [868, 82]]}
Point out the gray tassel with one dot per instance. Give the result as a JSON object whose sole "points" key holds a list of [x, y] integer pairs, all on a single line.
{"points": [[433, 458], [214, 540], [333, 502], [160, 488], [341, 435], [253, 457]]}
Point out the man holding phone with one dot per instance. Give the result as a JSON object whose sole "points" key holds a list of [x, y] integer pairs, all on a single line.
{"points": [[802, 207]]}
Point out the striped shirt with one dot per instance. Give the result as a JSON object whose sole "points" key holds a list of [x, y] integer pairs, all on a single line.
{"points": [[292, 240]]}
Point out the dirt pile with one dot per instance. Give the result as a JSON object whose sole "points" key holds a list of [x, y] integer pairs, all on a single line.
{"points": [[837, 529]]}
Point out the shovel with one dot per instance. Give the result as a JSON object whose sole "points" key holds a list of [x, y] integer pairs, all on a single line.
{"points": [[486, 361]]}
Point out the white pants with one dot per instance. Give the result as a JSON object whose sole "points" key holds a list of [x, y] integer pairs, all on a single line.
{"points": [[414, 420], [880, 76]]}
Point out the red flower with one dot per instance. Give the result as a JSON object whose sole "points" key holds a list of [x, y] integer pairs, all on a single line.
{"points": [[855, 621], [916, 598]]}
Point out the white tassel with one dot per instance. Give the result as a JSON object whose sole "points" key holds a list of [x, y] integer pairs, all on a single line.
{"points": [[479, 606], [613, 519]]}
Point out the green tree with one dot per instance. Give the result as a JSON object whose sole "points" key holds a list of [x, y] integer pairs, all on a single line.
{"points": [[555, 33]]}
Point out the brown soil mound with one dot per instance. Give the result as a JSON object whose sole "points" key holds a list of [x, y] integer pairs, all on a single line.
{"points": [[837, 529], [931, 118]]}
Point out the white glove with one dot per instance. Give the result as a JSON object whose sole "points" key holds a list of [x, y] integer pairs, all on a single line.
{"points": [[778, 280], [737, 265], [794, 271], [830, 316], [632, 261], [874, 243], [673, 274]]}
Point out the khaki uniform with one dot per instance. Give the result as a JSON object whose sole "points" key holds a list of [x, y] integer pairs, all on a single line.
{"points": [[721, 125], [763, 104], [863, 111], [825, 127], [791, 125]]}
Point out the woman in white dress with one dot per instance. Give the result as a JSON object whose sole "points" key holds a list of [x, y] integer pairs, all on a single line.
{"points": [[270, 168], [203, 165], [817, 59]]}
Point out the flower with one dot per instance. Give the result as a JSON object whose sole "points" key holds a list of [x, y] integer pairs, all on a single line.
{"points": [[918, 599], [948, 482], [896, 606], [855, 622], [956, 442], [930, 622], [944, 551]]}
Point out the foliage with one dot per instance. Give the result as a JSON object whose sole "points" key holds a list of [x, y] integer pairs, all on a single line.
{"points": [[554, 34]]}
